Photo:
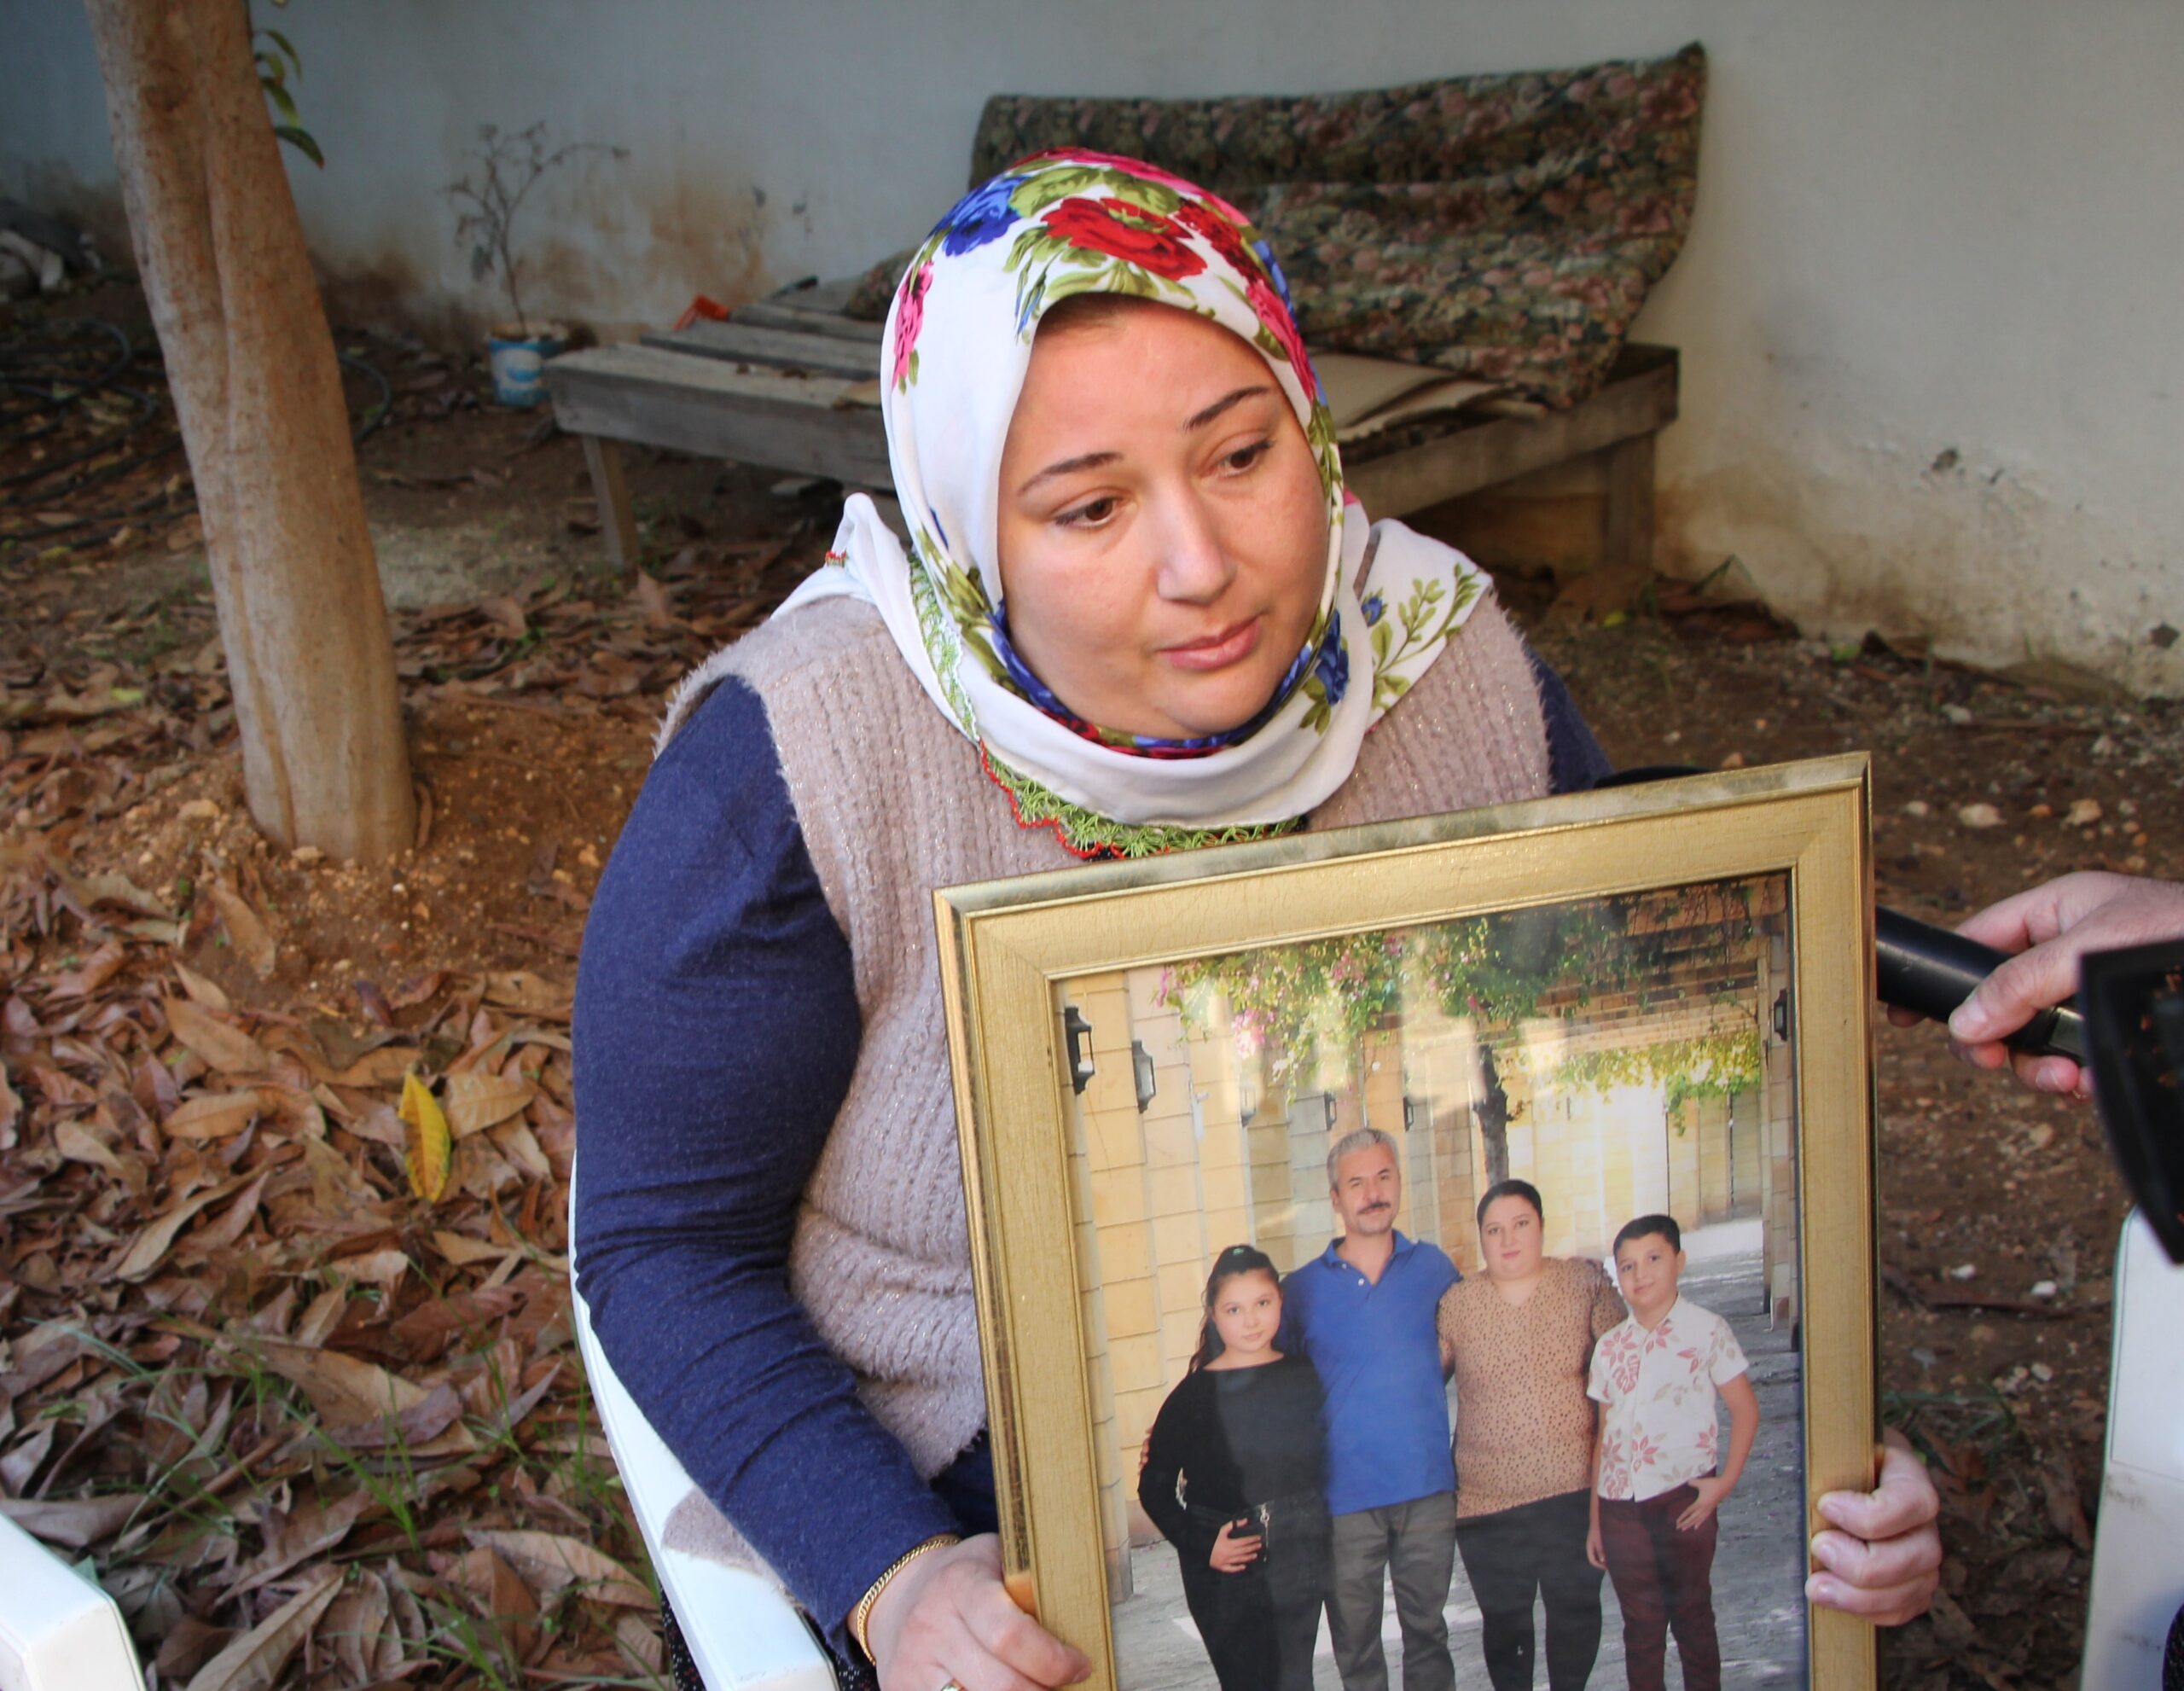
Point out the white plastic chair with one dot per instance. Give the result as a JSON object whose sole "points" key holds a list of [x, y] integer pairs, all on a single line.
{"points": [[2138, 1558], [58, 1630], [741, 1633]]}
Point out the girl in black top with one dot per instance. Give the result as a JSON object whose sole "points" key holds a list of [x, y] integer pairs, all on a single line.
{"points": [[1233, 1478]]}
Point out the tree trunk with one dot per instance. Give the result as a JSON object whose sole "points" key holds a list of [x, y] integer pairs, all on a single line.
{"points": [[251, 364], [1490, 1105]]}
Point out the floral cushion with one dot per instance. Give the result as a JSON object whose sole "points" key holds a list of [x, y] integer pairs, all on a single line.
{"points": [[1505, 228]]}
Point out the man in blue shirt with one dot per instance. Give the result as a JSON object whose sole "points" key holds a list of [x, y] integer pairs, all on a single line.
{"points": [[1364, 1313]]}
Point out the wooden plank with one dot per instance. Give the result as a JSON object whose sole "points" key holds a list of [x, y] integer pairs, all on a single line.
{"points": [[617, 519], [737, 343], [1638, 399], [1629, 539], [778, 314], [709, 409]]}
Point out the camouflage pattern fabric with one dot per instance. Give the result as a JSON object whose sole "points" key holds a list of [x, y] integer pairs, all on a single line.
{"points": [[1507, 227]]}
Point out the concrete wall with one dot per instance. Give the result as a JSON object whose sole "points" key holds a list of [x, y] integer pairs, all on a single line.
{"points": [[1931, 378]]}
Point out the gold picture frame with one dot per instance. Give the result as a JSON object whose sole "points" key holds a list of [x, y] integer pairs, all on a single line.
{"points": [[1011, 951]]}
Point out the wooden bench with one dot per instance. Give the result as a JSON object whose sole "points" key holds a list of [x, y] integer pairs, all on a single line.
{"points": [[790, 383]]}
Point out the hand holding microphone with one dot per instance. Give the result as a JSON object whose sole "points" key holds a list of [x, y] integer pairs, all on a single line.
{"points": [[2042, 932]]}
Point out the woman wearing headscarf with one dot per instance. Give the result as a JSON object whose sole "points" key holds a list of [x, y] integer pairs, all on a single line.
{"points": [[1137, 614]]}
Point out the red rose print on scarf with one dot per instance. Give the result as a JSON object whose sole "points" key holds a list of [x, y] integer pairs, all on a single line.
{"points": [[1220, 234], [1125, 231], [1140, 169], [1275, 316], [910, 317]]}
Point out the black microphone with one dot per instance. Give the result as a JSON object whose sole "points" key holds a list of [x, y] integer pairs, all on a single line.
{"points": [[1931, 970]]}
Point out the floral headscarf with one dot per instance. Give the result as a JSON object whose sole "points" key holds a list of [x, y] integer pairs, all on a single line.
{"points": [[957, 343]]}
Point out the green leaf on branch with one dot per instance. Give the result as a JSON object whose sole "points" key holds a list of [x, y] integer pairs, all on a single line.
{"points": [[301, 141], [283, 102], [282, 42]]}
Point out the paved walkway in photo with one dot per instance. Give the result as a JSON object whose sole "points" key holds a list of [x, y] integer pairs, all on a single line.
{"points": [[1759, 1565]]}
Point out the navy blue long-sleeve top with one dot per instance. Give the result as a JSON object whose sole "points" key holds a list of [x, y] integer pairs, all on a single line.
{"points": [[716, 1026]]}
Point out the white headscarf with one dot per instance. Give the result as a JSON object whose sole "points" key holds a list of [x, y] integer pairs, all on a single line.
{"points": [[957, 344]]}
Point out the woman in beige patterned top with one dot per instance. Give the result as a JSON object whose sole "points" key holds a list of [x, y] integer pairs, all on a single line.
{"points": [[1520, 1338]]}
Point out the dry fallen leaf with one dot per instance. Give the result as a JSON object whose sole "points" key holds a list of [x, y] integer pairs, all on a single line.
{"points": [[520, 989], [222, 1046], [254, 1661], [95, 971], [360, 1625], [520, 1146], [204, 991], [417, 1426], [640, 1640], [500, 1597], [344, 1389], [430, 1149], [214, 1115], [77, 1143], [223, 1232], [1979, 816], [119, 889], [152, 1244], [358, 1399], [75, 1524], [381, 1067], [550, 1560], [383, 1268], [463, 1251], [310, 1531], [247, 929], [475, 1101], [427, 1330]]}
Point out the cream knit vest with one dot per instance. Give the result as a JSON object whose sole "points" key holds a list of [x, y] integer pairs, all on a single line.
{"points": [[893, 802]]}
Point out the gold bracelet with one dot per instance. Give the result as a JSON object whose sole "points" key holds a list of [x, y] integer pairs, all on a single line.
{"points": [[861, 1616]]}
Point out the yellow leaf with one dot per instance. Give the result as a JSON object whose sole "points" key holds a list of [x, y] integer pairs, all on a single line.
{"points": [[430, 1149]]}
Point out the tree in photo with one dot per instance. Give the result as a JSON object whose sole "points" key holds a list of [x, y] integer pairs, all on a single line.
{"points": [[1501, 972], [257, 393]]}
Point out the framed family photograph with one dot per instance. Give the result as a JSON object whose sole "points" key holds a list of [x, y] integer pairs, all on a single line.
{"points": [[1449, 1238]]}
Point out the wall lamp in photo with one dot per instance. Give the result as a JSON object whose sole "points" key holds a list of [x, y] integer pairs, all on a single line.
{"points": [[1248, 1099], [1078, 1032], [1141, 1064]]}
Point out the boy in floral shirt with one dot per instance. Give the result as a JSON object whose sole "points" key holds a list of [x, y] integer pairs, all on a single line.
{"points": [[1655, 1480]]}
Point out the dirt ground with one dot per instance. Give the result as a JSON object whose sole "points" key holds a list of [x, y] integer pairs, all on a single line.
{"points": [[135, 882]]}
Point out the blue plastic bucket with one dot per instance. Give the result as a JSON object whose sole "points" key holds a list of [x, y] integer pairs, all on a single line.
{"points": [[517, 365]]}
